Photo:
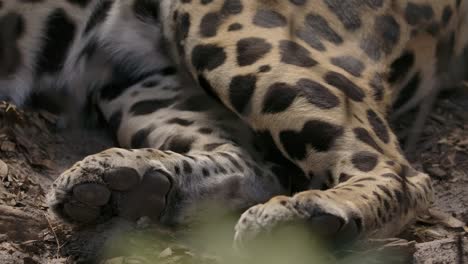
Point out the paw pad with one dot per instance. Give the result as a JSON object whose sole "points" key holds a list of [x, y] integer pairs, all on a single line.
{"points": [[91, 193]]}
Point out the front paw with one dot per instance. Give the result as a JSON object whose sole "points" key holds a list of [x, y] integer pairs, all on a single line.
{"points": [[315, 211], [114, 182]]}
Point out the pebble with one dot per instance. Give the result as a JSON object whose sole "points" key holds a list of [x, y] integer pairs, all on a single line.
{"points": [[437, 172], [165, 253], [3, 169]]}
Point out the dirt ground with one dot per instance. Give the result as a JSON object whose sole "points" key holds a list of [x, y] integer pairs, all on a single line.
{"points": [[33, 153]]}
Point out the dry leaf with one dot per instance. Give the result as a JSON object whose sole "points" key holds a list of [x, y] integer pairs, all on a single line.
{"points": [[447, 219], [8, 146]]}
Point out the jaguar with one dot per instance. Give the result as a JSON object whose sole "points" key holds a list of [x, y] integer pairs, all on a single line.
{"points": [[276, 109]]}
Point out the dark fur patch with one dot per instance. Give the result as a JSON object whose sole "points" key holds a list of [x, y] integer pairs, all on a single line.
{"points": [[205, 172], [385, 190], [388, 31], [319, 26], [150, 106], [349, 64], [269, 19], [418, 13], [235, 27], [317, 94], [376, 83], [123, 77], [285, 169], [232, 7], [350, 89], [344, 177], [11, 29], [298, 2], [195, 103], [375, 4], [88, 50], [140, 138], [98, 15], [60, 31], [264, 68], [209, 24], [146, 10], [208, 57], [187, 168], [347, 12], [179, 144], [364, 136], [205, 130], [206, 86], [180, 122], [81, 3], [182, 28], [378, 125], [279, 97], [384, 38], [295, 54], [408, 91], [371, 46], [233, 160], [401, 66], [150, 84], [307, 35], [241, 90], [364, 161], [319, 134], [114, 121], [446, 15], [250, 50]]}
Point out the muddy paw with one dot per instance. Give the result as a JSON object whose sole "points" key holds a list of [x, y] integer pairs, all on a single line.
{"points": [[115, 182], [318, 214]]}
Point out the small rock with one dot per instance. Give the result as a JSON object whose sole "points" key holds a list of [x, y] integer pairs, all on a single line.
{"points": [[437, 172], [143, 222], [3, 169], [165, 253]]}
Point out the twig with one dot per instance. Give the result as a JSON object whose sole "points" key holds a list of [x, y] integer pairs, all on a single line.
{"points": [[421, 118], [55, 235], [460, 249]]}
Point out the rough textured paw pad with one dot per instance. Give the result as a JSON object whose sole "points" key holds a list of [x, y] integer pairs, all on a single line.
{"points": [[326, 225], [122, 178], [91, 194], [146, 199], [121, 191]]}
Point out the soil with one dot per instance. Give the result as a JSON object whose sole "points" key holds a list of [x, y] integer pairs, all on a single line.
{"points": [[33, 152]]}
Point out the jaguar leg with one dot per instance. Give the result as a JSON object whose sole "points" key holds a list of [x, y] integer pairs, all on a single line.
{"points": [[325, 111], [179, 149]]}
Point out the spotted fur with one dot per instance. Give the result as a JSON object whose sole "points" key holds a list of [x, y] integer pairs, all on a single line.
{"points": [[280, 106]]}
